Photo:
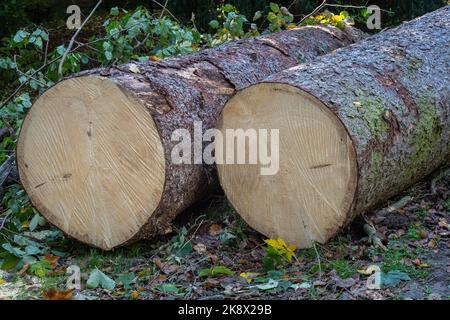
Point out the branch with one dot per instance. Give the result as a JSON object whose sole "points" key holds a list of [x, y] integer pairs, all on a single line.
{"points": [[73, 39], [314, 11]]}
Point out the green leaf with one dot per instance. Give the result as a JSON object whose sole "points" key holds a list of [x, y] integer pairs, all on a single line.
{"points": [[38, 43], [126, 279], [114, 11], [9, 261], [20, 35], [271, 284], [228, 8], [257, 15], [98, 278], [274, 7], [34, 222], [13, 250], [393, 278], [214, 24], [108, 55], [216, 271], [60, 50], [168, 288]]}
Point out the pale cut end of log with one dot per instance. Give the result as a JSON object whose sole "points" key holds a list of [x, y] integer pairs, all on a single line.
{"points": [[309, 197], [91, 158]]}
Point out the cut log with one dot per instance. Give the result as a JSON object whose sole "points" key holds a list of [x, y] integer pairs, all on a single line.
{"points": [[94, 152], [356, 127]]}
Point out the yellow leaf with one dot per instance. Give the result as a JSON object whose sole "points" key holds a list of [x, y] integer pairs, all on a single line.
{"points": [[249, 276], [337, 18], [135, 294], [364, 271], [2, 281], [282, 248]]}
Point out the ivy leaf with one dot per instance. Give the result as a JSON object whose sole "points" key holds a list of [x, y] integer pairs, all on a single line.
{"points": [[98, 278]]}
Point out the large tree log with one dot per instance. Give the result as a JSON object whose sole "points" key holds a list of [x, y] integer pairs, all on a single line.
{"points": [[94, 153], [356, 127]]}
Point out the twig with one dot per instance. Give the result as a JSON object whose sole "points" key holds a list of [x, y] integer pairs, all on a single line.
{"points": [[399, 204], [6, 168], [73, 39], [179, 250], [314, 11], [353, 7], [318, 258], [58, 58], [2, 225], [165, 9]]}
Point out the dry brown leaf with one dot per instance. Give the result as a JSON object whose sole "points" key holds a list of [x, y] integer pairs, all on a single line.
{"points": [[214, 258], [200, 248], [135, 295], [53, 294], [24, 269], [215, 230], [51, 259]]}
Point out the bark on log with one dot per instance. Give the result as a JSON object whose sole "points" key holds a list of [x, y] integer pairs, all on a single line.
{"points": [[94, 151], [357, 127]]}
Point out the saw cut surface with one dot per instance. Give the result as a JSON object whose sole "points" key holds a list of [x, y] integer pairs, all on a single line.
{"points": [[309, 197], [91, 160]]}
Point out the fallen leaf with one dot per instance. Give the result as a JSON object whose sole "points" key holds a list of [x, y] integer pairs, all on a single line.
{"points": [[249, 276], [51, 259], [134, 68], [200, 248], [24, 269], [2, 281], [153, 58], [271, 284], [215, 230], [98, 278], [303, 285], [157, 263], [53, 294], [210, 283], [393, 278], [214, 258], [431, 243], [216, 271], [135, 295]]}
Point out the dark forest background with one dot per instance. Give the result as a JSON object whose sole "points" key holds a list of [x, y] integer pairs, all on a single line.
{"points": [[15, 14]]}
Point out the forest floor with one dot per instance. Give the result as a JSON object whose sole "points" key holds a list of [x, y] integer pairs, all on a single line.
{"points": [[217, 256]]}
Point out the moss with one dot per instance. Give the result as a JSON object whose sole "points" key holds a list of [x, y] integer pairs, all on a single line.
{"points": [[375, 169], [371, 110], [426, 132]]}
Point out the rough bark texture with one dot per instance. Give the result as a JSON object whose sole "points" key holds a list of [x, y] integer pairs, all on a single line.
{"points": [[179, 91], [392, 93]]}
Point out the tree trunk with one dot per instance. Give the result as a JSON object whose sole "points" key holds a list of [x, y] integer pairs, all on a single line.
{"points": [[356, 127], [94, 153]]}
